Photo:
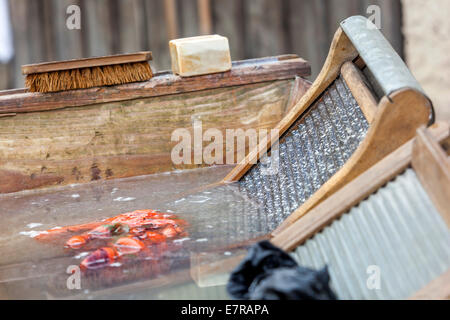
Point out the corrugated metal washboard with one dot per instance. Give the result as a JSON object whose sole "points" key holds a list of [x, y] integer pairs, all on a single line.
{"points": [[388, 247], [310, 152]]}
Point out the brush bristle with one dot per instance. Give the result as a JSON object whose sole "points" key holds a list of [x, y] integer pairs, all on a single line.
{"points": [[88, 77]]}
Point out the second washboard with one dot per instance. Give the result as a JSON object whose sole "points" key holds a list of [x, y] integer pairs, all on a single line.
{"points": [[396, 234], [386, 234]]}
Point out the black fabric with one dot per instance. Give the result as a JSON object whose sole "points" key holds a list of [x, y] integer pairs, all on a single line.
{"points": [[268, 273]]}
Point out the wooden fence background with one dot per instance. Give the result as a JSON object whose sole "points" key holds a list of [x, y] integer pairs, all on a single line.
{"points": [[255, 28]]}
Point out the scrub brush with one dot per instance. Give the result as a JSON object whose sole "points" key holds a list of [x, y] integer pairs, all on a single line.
{"points": [[88, 72]]}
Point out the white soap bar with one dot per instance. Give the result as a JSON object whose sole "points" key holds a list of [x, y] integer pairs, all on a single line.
{"points": [[200, 55]]}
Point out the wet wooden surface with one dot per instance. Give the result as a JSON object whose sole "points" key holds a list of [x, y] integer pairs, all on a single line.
{"points": [[126, 138], [163, 83]]}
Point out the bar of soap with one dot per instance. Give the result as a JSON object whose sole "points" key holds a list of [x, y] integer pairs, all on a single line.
{"points": [[200, 55]]}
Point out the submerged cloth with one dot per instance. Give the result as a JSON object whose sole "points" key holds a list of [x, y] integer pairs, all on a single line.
{"points": [[268, 273]]}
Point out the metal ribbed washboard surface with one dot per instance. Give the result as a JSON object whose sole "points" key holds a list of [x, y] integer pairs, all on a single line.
{"points": [[310, 152], [397, 230]]}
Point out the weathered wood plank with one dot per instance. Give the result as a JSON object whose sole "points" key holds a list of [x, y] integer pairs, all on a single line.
{"points": [[157, 33], [188, 18], [171, 17], [391, 22], [200, 55], [126, 138], [438, 289], [309, 31], [20, 26], [340, 10], [228, 20], [68, 44], [395, 123], [304, 27], [47, 33], [86, 62], [263, 28], [432, 166], [357, 84], [132, 26], [243, 72], [99, 27]]}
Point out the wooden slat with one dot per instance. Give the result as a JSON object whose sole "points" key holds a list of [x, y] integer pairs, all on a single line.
{"points": [[351, 194], [127, 138], [187, 18], [432, 166], [47, 36], [362, 94], [22, 50], [86, 62], [359, 62], [132, 28], [437, 289], [170, 13], [205, 272], [264, 26], [308, 37], [98, 27], [161, 84], [13, 91], [171, 279], [157, 34], [68, 44], [35, 32], [204, 14], [2, 115], [229, 19]]}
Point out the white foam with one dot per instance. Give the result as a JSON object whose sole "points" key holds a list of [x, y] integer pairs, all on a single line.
{"points": [[32, 234], [181, 240], [34, 225], [124, 199]]}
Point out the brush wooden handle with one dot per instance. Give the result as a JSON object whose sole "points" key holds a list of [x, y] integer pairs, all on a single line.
{"points": [[87, 62]]}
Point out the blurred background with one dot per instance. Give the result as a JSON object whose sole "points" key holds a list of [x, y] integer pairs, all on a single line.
{"points": [[34, 31]]}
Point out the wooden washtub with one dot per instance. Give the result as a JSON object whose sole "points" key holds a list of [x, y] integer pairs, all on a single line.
{"points": [[121, 131]]}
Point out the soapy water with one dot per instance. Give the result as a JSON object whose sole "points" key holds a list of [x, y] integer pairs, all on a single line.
{"points": [[222, 221], [311, 152]]}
